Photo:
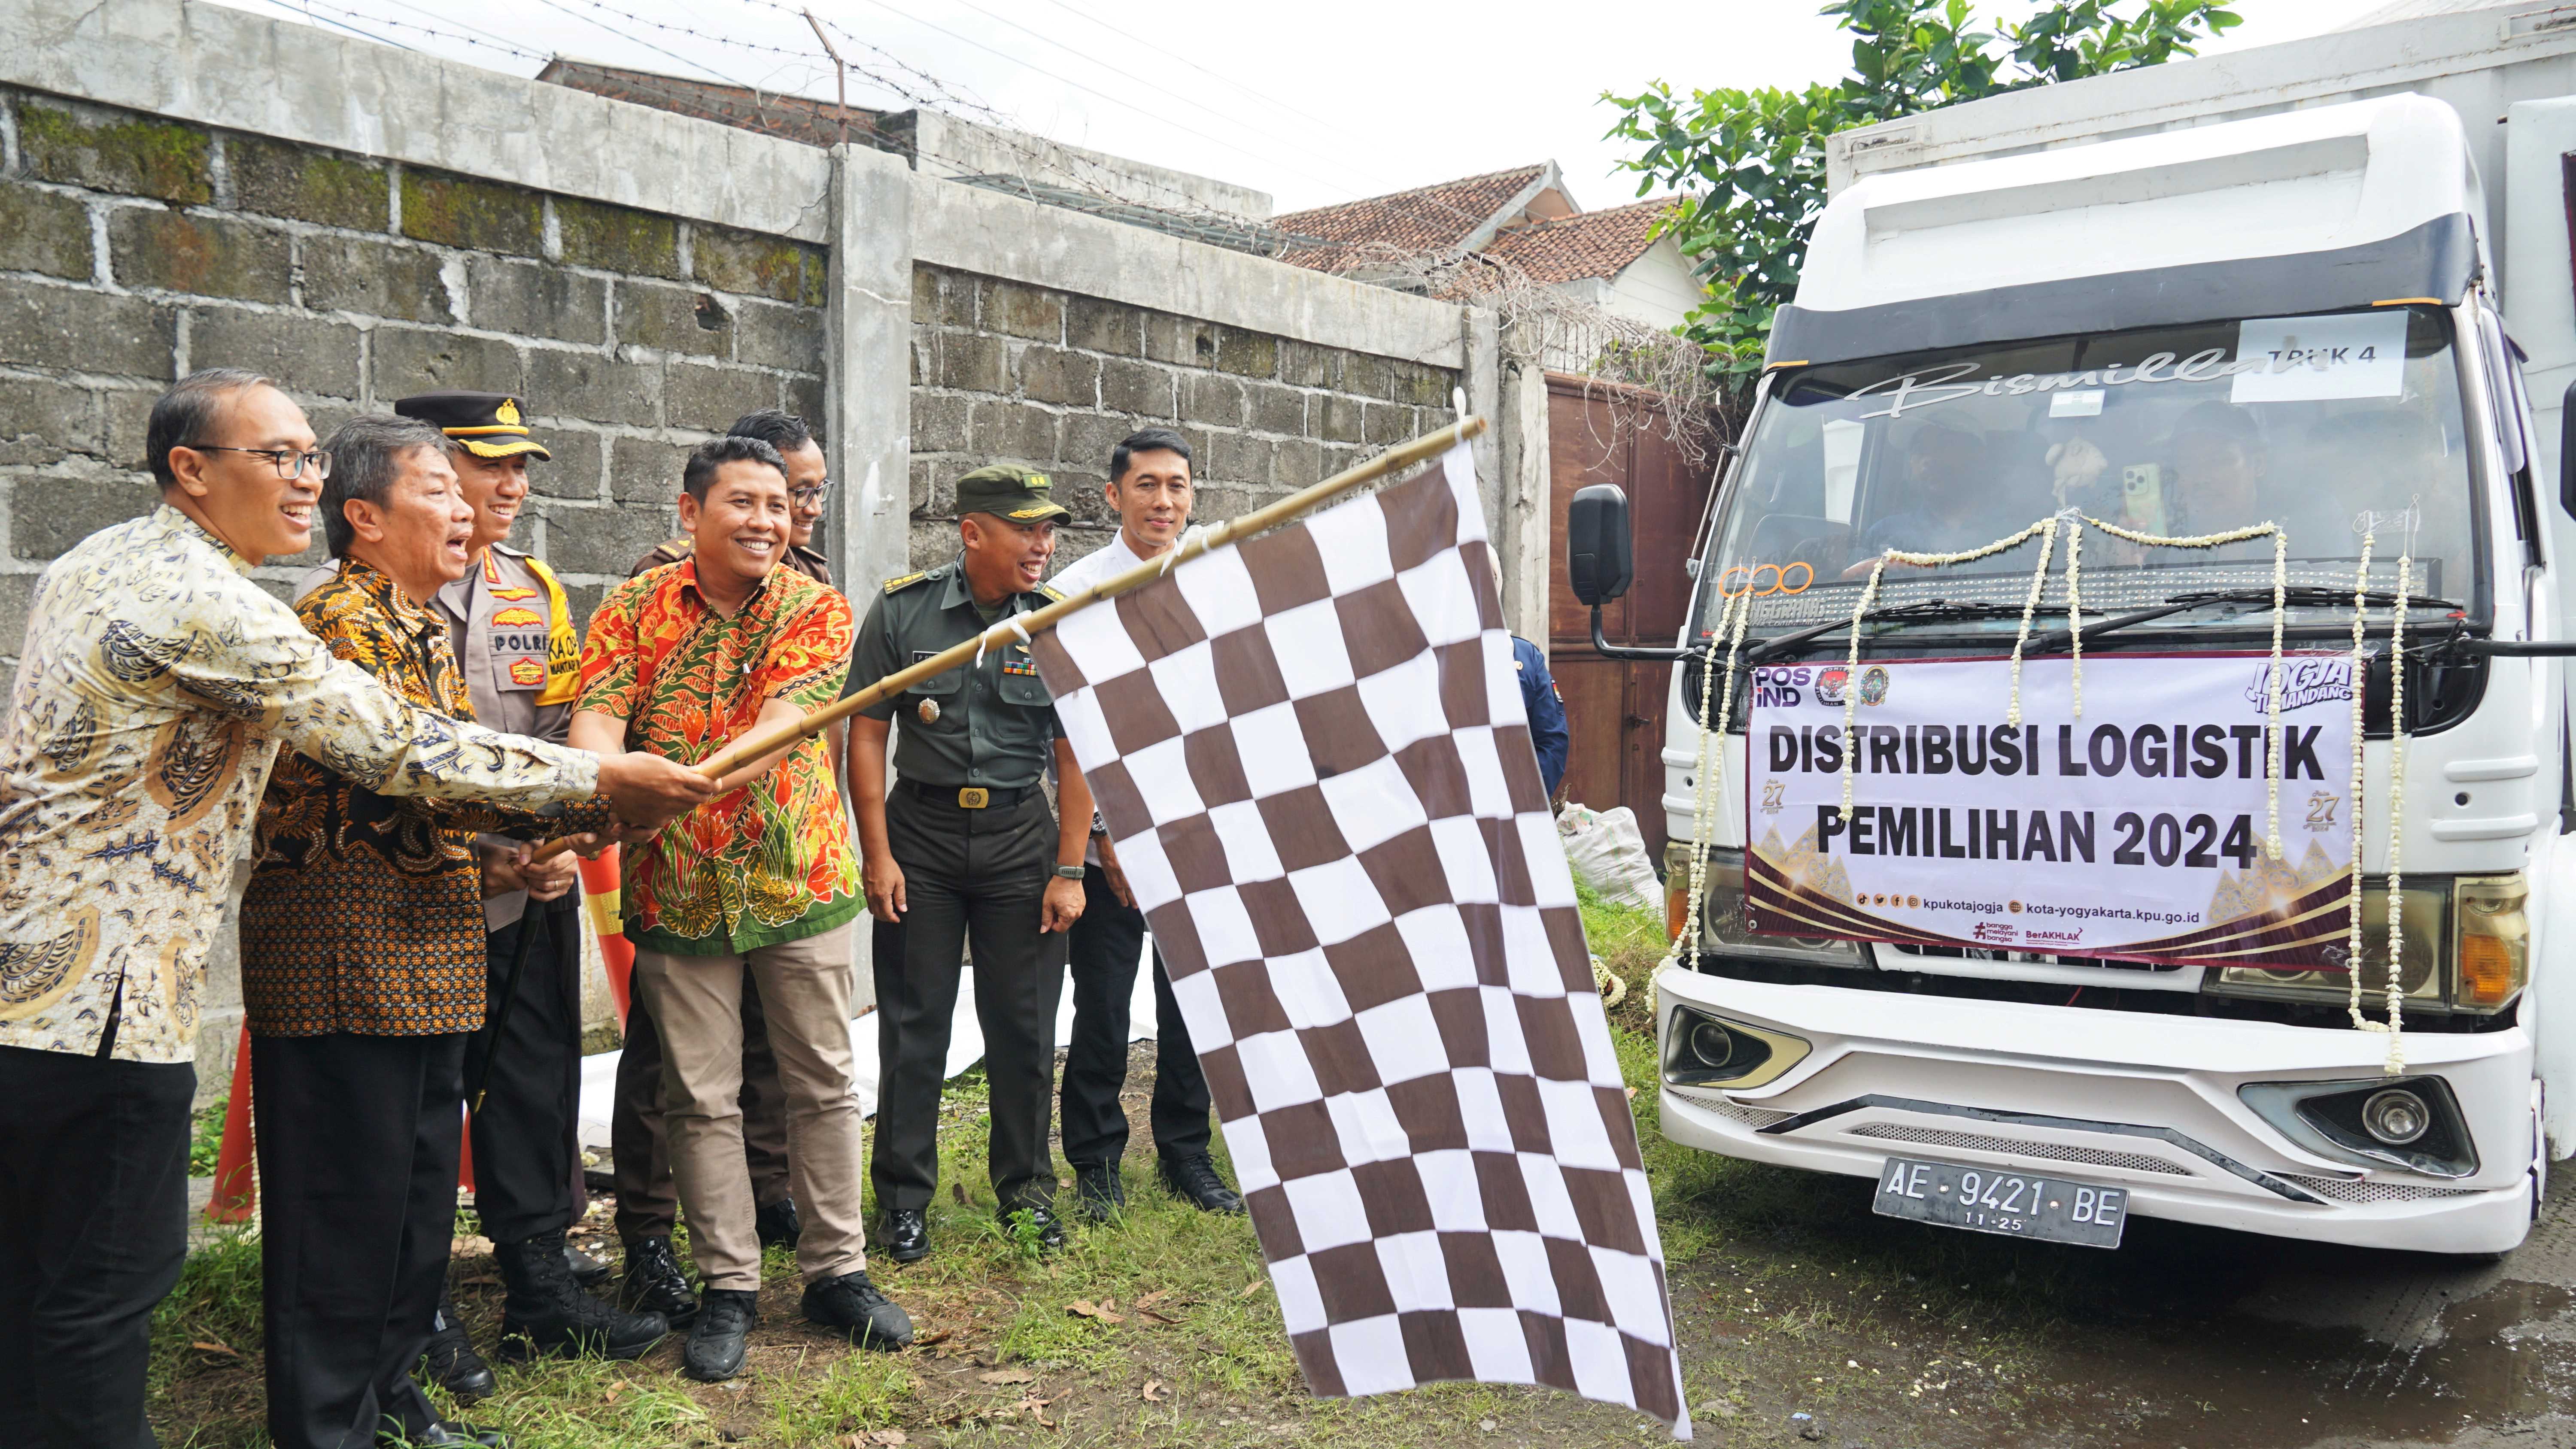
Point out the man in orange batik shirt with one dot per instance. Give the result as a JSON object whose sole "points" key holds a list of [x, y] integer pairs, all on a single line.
{"points": [[682, 659]]}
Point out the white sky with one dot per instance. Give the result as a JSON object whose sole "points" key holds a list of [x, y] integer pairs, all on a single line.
{"points": [[1345, 98]]}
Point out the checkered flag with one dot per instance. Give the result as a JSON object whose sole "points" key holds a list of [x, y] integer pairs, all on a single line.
{"points": [[1311, 752]]}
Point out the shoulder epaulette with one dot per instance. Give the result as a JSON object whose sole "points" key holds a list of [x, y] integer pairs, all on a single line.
{"points": [[1051, 591], [905, 582]]}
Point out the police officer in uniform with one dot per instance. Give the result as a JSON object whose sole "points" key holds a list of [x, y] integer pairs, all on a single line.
{"points": [[963, 848], [514, 633]]}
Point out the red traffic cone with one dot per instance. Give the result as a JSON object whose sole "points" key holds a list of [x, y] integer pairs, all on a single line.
{"points": [[236, 1186], [603, 897]]}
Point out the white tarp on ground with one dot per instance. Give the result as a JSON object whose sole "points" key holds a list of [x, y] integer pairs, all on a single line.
{"points": [[965, 1049]]}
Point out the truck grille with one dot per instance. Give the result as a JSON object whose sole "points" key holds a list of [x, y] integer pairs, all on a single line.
{"points": [[1710, 1101], [2018, 1147], [2344, 1189]]}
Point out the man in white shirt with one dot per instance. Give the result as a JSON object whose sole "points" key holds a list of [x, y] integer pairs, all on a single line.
{"points": [[1149, 486]]}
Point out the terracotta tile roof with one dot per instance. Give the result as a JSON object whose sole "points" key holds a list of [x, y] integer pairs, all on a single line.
{"points": [[1591, 244], [1424, 220]]}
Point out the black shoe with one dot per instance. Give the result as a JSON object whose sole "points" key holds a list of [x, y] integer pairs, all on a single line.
{"points": [[719, 1340], [1050, 1231], [1193, 1180], [545, 1312], [1099, 1193], [777, 1224], [587, 1271], [655, 1284], [907, 1235], [450, 1360], [853, 1304], [445, 1434]]}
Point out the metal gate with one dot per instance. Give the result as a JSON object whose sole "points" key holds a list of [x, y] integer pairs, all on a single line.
{"points": [[1614, 710]]}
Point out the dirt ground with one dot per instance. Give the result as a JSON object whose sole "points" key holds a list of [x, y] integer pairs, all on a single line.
{"points": [[1794, 1300]]}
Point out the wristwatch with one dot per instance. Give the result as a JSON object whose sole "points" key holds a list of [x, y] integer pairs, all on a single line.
{"points": [[1069, 872]]}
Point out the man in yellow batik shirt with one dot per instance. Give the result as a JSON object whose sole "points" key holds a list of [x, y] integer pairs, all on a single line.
{"points": [[155, 687]]}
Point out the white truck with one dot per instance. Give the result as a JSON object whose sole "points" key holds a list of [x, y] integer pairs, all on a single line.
{"points": [[2039, 947]]}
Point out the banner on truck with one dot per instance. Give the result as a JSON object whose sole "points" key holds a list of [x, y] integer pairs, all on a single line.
{"points": [[2134, 832]]}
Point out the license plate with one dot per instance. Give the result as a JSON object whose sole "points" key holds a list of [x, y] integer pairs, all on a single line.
{"points": [[1994, 1200]]}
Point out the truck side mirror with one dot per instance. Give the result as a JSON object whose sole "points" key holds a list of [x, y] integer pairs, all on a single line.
{"points": [[2567, 450], [1598, 564]]}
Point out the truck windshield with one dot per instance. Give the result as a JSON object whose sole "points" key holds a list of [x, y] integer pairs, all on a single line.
{"points": [[2327, 426]]}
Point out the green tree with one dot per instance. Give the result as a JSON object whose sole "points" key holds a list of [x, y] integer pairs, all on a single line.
{"points": [[1750, 164]]}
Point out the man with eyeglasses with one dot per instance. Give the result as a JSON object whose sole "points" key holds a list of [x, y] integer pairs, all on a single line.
{"points": [[648, 1202], [155, 687]]}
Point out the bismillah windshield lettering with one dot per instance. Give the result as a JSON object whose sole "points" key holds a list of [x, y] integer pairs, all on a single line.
{"points": [[1915, 390]]}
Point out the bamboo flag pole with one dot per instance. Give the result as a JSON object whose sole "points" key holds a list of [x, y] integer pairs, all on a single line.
{"points": [[1019, 626]]}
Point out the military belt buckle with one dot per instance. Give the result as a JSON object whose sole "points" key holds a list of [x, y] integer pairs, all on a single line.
{"points": [[974, 797]]}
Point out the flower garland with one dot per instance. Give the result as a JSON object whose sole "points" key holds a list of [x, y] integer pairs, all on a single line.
{"points": [[2030, 606], [2360, 781], [2396, 810], [1735, 613], [2046, 530], [1732, 616], [2273, 677], [2395, 1025]]}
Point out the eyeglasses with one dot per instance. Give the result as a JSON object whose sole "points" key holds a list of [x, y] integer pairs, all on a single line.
{"points": [[278, 458], [810, 497]]}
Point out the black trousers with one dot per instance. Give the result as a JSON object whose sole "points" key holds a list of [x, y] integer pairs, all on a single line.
{"points": [[976, 876], [1105, 945], [93, 1229], [648, 1202], [357, 1164], [527, 1151]]}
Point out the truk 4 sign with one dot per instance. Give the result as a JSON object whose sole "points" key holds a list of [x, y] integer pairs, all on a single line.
{"points": [[2137, 830]]}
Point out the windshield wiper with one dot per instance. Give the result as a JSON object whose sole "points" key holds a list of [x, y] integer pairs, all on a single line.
{"points": [[2299, 596], [1935, 610]]}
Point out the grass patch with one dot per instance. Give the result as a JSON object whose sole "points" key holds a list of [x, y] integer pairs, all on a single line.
{"points": [[206, 1139]]}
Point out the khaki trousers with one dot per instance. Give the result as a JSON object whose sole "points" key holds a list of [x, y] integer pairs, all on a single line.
{"points": [[697, 1003]]}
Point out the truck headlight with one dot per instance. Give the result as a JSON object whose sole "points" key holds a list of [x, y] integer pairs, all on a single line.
{"points": [[2493, 939], [2468, 948], [2427, 937], [1722, 922]]}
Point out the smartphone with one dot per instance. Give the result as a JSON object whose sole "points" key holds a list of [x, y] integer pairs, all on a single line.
{"points": [[2142, 497]]}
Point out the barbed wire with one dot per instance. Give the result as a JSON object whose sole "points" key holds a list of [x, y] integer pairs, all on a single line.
{"points": [[1648, 370]]}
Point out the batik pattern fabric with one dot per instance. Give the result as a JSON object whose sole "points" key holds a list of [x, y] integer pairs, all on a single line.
{"points": [[364, 911], [768, 863], [155, 685], [1311, 753]]}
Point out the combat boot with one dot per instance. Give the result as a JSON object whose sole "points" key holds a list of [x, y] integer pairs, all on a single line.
{"points": [[546, 1312]]}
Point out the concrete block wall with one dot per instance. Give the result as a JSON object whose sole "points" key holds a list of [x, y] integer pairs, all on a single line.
{"points": [[135, 248], [1007, 371], [361, 222]]}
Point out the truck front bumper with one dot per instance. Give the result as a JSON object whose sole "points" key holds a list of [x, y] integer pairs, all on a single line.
{"points": [[2140, 1101]]}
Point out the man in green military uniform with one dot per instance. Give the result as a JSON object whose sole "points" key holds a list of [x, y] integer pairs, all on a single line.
{"points": [[964, 846]]}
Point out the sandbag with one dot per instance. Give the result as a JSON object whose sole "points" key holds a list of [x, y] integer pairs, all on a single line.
{"points": [[1608, 853]]}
